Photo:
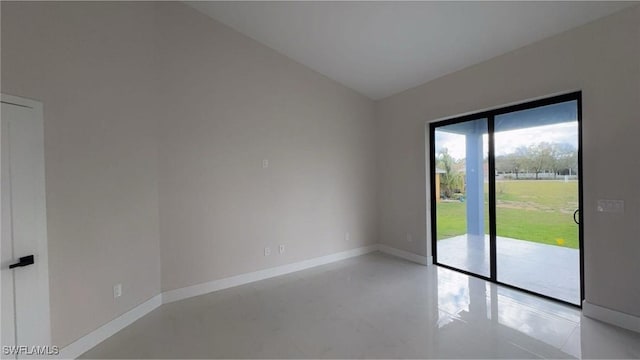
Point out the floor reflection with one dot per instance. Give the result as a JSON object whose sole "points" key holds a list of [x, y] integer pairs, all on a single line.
{"points": [[372, 306], [538, 326], [478, 302]]}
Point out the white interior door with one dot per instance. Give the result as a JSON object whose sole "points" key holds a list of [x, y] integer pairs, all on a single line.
{"points": [[25, 288]]}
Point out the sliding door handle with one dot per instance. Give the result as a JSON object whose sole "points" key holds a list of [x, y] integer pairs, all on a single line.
{"points": [[574, 217], [24, 261]]}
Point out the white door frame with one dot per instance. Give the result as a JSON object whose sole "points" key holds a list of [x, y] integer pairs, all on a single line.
{"points": [[42, 328]]}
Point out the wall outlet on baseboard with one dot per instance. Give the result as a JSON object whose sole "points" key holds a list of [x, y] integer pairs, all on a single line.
{"points": [[281, 249], [409, 237], [267, 251], [347, 236], [117, 290]]}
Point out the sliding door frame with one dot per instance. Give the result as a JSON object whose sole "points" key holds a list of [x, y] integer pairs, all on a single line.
{"points": [[490, 116]]}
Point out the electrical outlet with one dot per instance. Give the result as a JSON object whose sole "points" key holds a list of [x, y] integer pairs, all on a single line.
{"points": [[611, 206], [265, 163], [267, 251], [281, 249], [347, 236], [117, 290], [409, 237]]}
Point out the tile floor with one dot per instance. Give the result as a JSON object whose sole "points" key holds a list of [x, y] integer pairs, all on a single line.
{"points": [[546, 269], [372, 306]]}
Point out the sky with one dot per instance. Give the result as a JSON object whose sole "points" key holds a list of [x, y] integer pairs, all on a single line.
{"points": [[508, 141]]}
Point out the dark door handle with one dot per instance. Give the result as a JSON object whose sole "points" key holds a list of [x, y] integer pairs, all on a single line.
{"points": [[24, 261], [574, 216]]}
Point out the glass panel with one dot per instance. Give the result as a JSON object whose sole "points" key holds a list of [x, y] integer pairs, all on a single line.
{"points": [[536, 154], [461, 194]]}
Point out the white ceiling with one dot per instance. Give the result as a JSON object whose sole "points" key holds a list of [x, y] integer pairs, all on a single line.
{"points": [[381, 48]]}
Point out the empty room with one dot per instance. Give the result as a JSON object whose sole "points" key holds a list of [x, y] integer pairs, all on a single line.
{"points": [[305, 179]]}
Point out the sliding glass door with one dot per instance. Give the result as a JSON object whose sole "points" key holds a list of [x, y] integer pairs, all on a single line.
{"points": [[461, 170], [505, 191]]}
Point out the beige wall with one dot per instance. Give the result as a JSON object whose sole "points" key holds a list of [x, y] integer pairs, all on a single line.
{"points": [[229, 103], [603, 60], [89, 65], [127, 84]]}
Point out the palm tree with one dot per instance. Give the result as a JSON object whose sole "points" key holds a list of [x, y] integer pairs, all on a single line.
{"points": [[451, 180]]}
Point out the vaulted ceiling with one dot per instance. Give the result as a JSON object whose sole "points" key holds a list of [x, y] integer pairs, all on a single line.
{"points": [[382, 48]]}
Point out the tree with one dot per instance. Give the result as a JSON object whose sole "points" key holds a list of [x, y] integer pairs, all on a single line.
{"points": [[538, 158], [566, 159], [541, 157], [515, 162], [452, 179]]}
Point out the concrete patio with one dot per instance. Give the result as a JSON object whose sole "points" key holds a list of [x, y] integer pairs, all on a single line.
{"points": [[546, 269]]}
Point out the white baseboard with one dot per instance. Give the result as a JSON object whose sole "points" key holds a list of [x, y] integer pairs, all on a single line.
{"points": [[204, 288], [100, 334], [95, 337], [623, 320], [423, 260]]}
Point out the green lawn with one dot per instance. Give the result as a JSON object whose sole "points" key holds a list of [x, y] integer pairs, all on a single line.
{"points": [[539, 211]]}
